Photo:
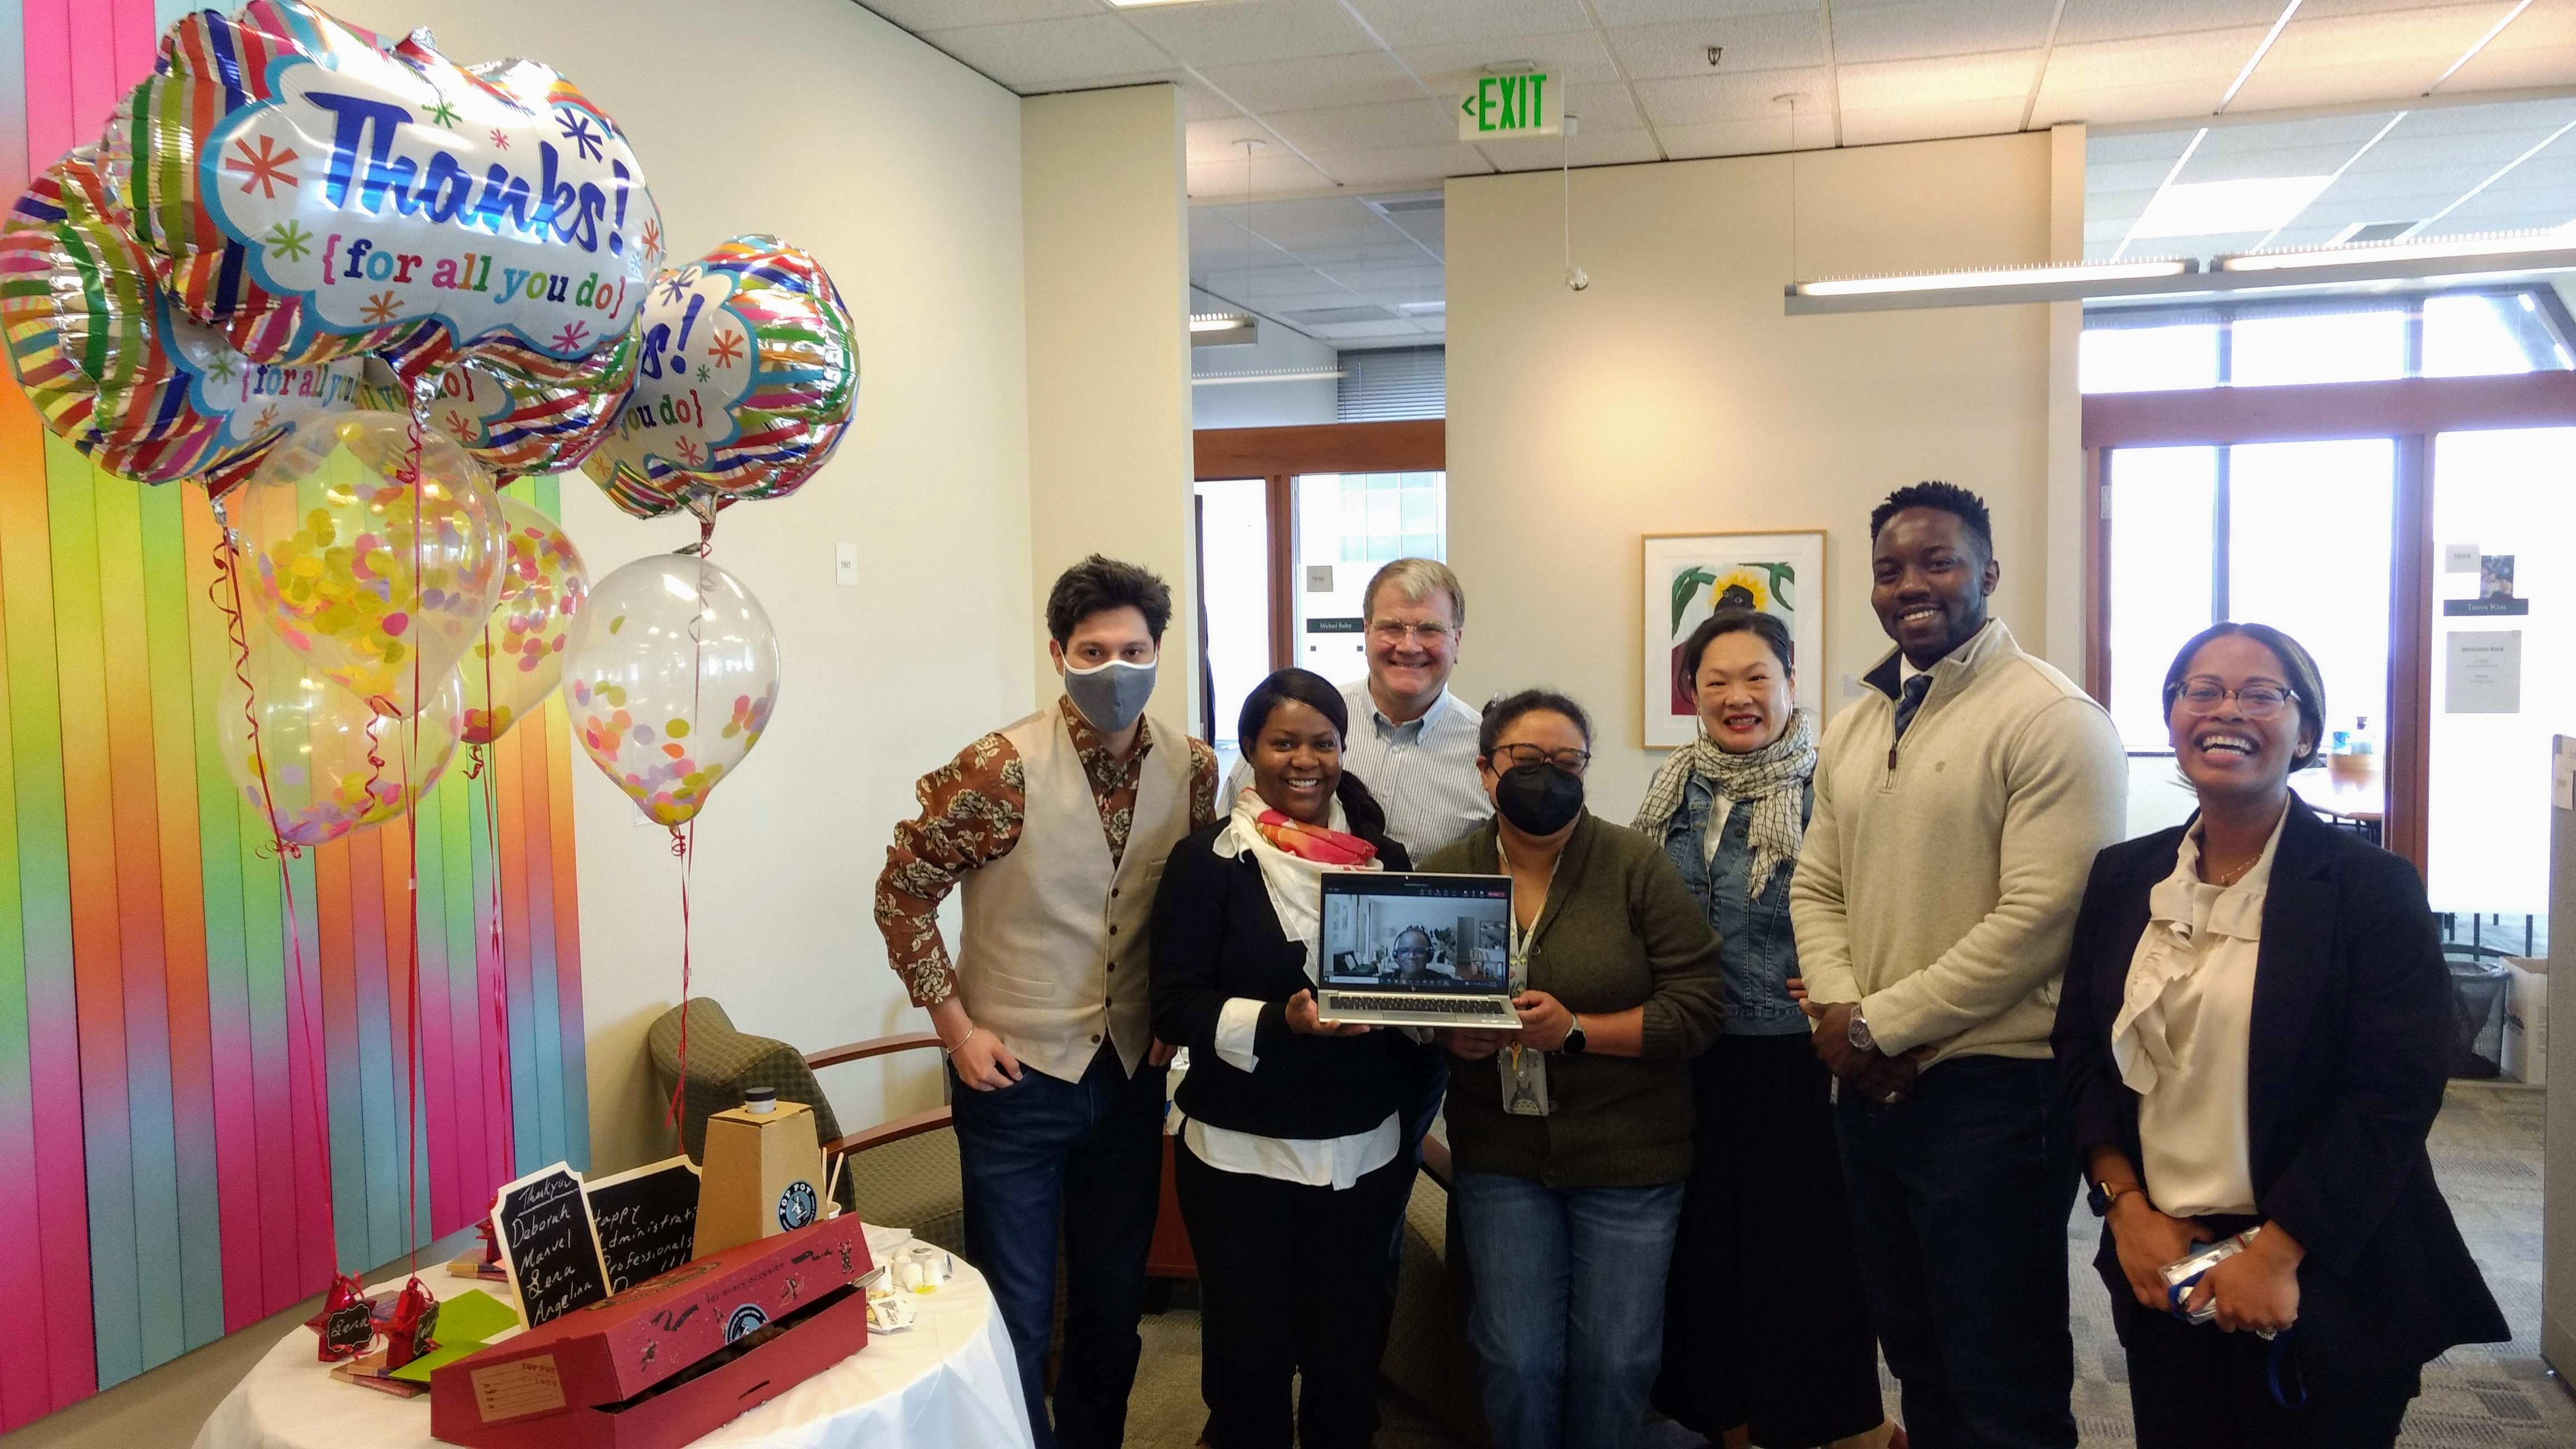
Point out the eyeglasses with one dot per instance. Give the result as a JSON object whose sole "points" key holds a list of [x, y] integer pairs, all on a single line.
{"points": [[1508, 757], [2256, 701], [1390, 631]]}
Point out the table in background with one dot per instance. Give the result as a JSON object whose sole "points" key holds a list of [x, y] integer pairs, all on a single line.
{"points": [[949, 1380], [2361, 803]]}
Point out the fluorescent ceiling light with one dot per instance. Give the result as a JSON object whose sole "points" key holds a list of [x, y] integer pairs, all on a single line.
{"points": [[1417, 309], [1999, 278], [2211, 208], [1220, 379], [2260, 51], [1218, 321], [2504, 247], [1132, 4], [2471, 53]]}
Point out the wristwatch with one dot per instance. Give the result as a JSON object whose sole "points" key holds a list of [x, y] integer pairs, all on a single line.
{"points": [[2102, 1199], [1859, 1032], [1573, 1043]]}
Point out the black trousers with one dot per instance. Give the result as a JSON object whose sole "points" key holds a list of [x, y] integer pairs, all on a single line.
{"points": [[2196, 1387], [1762, 1318], [1959, 1199], [1290, 1282]]}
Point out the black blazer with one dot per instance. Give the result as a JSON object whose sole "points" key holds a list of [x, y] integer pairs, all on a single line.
{"points": [[1216, 937], [2349, 1052]]}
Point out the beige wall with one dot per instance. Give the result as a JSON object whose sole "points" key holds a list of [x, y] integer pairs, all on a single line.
{"points": [[1673, 396], [1107, 239]]}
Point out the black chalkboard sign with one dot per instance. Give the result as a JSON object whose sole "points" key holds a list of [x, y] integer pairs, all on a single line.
{"points": [[549, 1244], [648, 1220], [347, 1332]]}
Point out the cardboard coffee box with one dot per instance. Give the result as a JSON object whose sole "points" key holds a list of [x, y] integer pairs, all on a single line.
{"points": [[763, 1174], [2526, 1020], [673, 1357]]}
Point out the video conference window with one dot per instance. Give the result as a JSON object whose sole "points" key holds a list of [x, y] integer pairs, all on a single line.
{"points": [[1439, 938]]}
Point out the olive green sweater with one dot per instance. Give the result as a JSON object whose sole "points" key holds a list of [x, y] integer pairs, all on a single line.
{"points": [[1619, 930]]}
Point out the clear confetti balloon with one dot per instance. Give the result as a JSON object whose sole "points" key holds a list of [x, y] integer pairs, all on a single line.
{"points": [[672, 682]]}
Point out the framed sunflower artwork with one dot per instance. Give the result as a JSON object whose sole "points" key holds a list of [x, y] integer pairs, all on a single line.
{"points": [[1690, 575]]}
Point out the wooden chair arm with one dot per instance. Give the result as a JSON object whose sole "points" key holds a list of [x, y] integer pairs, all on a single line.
{"points": [[873, 1047], [1435, 1160], [885, 1132]]}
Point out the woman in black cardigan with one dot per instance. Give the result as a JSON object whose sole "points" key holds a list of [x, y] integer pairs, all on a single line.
{"points": [[1293, 1169], [2254, 1034]]}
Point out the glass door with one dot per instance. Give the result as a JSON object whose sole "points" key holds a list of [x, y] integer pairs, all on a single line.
{"points": [[2503, 632], [1234, 596], [1348, 526], [2296, 535]]}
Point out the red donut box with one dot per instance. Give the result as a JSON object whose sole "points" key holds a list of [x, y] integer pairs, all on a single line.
{"points": [[629, 1372]]}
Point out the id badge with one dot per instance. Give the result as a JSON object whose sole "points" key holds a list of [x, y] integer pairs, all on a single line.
{"points": [[1524, 1074]]}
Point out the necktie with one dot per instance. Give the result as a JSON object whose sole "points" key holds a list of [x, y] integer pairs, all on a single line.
{"points": [[1915, 688]]}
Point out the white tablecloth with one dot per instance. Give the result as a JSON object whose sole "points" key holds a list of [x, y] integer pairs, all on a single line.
{"points": [[947, 1381]]}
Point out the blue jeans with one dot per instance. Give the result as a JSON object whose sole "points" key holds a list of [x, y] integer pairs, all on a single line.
{"points": [[1567, 1314], [1087, 1155]]}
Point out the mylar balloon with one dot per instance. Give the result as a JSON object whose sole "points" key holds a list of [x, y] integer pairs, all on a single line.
{"points": [[516, 422], [312, 775], [748, 374], [519, 659], [672, 681], [314, 196], [110, 365], [356, 569]]}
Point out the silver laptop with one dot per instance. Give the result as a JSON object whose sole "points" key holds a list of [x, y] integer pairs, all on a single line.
{"points": [[1408, 948]]}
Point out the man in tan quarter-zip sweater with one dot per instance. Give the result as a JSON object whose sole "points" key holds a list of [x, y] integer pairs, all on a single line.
{"points": [[1959, 805]]}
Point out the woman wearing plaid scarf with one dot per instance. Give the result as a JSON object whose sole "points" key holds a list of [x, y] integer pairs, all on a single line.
{"points": [[1762, 1343]]}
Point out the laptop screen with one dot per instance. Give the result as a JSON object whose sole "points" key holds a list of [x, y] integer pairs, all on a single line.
{"points": [[1409, 931]]}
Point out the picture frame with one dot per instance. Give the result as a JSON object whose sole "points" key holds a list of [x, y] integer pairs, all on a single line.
{"points": [[1685, 573]]}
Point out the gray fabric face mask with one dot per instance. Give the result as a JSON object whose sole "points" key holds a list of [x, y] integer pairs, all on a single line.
{"points": [[1112, 696]]}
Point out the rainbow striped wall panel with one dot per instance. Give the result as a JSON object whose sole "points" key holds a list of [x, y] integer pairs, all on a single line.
{"points": [[169, 1081]]}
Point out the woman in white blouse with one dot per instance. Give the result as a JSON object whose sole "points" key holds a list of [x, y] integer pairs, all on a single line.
{"points": [[1293, 1168], [2254, 1035]]}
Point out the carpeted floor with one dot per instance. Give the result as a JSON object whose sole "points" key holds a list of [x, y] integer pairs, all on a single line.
{"points": [[2486, 1149]]}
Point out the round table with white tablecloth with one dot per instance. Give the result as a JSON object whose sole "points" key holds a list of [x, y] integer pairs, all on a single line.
{"points": [[947, 1382]]}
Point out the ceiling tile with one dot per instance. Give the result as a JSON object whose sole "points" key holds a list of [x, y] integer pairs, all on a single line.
{"points": [[2105, 105], [1753, 43], [1590, 148], [1273, 171], [1403, 23], [2137, 80], [1198, 103], [2092, 20], [1732, 97], [1367, 128], [1572, 58], [1919, 28], [1742, 138], [2312, 9], [1042, 52], [2537, 49], [2000, 75], [1405, 165], [2361, 57], [1332, 80], [1210, 142], [1879, 125], [1205, 35], [1603, 108], [1659, 12], [920, 15]]}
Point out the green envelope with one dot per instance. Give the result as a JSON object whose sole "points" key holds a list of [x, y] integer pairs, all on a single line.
{"points": [[465, 1322]]}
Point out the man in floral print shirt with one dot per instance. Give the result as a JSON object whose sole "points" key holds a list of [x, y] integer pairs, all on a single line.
{"points": [[1057, 827]]}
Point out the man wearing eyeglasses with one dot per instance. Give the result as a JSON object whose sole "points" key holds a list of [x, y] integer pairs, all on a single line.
{"points": [[1413, 743]]}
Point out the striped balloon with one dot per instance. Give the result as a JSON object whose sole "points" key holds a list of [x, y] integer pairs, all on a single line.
{"points": [[517, 420], [112, 366], [747, 374]]}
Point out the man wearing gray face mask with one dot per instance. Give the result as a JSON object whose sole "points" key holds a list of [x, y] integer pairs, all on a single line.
{"points": [[1057, 827]]}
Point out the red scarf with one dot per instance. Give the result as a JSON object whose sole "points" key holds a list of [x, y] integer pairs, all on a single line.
{"points": [[1314, 842]]}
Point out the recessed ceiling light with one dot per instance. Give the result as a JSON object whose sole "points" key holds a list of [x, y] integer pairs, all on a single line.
{"points": [[2209, 208]]}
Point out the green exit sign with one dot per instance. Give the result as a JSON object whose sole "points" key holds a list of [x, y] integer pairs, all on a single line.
{"points": [[1509, 105]]}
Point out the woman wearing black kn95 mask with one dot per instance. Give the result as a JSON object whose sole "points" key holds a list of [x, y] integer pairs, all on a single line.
{"points": [[1571, 1136]]}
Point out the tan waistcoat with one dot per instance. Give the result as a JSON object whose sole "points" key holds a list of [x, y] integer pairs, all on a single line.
{"points": [[1054, 955]]}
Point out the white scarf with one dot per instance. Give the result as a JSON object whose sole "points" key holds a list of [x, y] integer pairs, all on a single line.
{"points": [[2180, 908], [1296, 885], [1774, 778]]}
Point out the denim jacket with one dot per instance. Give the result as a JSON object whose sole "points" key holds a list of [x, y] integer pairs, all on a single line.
{"points": [[1757, 952]]}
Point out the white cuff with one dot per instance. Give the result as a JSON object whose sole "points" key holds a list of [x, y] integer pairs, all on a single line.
{"points": [[1236, 1026]]}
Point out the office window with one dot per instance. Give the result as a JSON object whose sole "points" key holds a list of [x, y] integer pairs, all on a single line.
{"points": [[2270, 344]]}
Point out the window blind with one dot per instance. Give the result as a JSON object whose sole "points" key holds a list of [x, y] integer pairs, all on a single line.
{"points": [[1382, 384]]}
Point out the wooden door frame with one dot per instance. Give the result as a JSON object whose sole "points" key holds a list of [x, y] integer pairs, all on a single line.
{"points": [[2410, 411], [1277, 455]]}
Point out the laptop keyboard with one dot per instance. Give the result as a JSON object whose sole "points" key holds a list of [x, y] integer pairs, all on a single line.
{"points": [[1445, 1005]]}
